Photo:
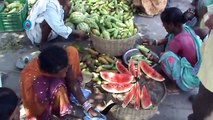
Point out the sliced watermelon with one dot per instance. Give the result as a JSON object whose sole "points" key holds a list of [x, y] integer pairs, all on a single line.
{"points": [[146, 101], [121, 68], [137, 96], [117, 88], [139, 70], [132, 68], [116, 77], [129, 97], [151, 72]]}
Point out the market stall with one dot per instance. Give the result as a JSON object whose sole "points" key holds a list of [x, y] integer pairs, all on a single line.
{"points": [[132, 82]]}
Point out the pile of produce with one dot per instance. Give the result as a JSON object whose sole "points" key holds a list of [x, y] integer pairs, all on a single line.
{"points": [[127, 81], [108, 19], [31, 3], [13, 7], [94, 62]]}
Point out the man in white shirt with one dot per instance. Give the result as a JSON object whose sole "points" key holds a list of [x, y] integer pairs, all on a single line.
{"points": [[46, 21]]}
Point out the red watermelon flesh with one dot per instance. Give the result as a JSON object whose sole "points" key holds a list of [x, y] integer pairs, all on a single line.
{"points": [[139, 70], [117, 88], [116, 77], [151, 72], [121, 68], [128, 97], [132, 68], [137, 96], [145, 98]]}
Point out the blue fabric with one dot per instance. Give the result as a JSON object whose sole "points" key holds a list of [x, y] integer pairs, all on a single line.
{"points": [[88, 117], [179, 69], [85, 92]]}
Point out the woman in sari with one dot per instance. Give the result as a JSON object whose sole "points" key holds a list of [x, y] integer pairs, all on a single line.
{"points": [[47, 81], [182, 56]]}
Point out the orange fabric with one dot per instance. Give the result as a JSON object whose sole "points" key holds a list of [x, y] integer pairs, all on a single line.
{"points": [[74, 60], [32, 106]]}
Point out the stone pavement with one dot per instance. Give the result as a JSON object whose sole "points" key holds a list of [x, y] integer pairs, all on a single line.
{"points": [[174, 107]]}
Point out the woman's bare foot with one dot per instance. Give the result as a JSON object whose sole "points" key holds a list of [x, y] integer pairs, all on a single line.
{"points": [[172, 89]]}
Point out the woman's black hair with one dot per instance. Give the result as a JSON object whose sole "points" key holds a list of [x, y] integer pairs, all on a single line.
{"points": [[173, 15], [52, 59], [8, 102]]}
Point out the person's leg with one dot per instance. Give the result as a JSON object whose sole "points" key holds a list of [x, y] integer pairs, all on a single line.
{"points": [[45, 29], [203, 104], [170, 65]]}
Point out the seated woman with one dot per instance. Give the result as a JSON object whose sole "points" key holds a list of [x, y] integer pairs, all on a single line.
{"points": [[182, 56], [48, 80]]}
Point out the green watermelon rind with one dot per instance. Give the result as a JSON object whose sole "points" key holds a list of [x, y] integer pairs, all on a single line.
{"points": [[131, 77], [83, 26], [103, 86], [142, 100], [77, 17], [145, 67]]}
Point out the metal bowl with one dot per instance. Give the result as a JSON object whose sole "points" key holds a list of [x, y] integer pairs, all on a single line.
{"points": [[133, 52]]}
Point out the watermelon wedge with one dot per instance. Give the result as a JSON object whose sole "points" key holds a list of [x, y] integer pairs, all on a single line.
{"points": [[116, 77], [121, 68], [139, 70], [145, 98], [129, 97], [151, 72], [117, 88], [132, 68], [137, 96]]}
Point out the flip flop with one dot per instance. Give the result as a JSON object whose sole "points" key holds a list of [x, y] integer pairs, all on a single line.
{"points": [[145, 15], [21, 62]]}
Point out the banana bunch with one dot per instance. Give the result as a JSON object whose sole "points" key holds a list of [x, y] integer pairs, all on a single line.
{"points": [[109, 19], [13, 7], [93, 61]]}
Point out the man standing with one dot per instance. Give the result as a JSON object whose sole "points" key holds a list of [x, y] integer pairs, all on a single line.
{"points": [[203, 104]]}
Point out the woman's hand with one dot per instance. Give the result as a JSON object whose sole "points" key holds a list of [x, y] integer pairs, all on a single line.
{"points": [[149, 41]]}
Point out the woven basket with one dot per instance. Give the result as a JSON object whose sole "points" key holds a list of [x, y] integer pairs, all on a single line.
{"points": [[158, 93], [114, 47]]}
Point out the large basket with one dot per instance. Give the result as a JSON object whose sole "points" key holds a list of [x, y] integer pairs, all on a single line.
{"points": [[157, 90], [114, 47]]}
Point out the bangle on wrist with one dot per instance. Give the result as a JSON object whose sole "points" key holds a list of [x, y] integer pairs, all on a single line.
{"points": [[87, 105], [149, 55]]}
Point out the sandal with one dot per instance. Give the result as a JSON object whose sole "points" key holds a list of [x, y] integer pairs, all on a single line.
{"points": [[145, 15], [21, 62]]}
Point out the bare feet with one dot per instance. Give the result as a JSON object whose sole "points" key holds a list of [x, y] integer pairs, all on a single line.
{"points": [[172, 89]]}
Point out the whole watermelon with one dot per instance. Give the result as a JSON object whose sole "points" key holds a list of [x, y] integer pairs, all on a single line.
{"points": [[71, 25], [77, 17], [83, 26]]}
